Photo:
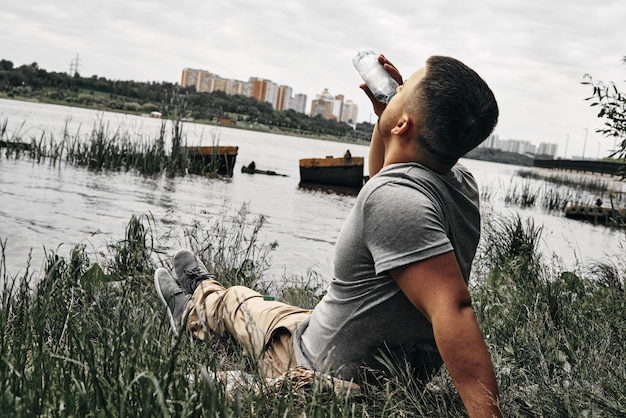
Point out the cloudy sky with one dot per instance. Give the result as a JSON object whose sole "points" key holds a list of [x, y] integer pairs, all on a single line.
{"points": [[533, 53]]}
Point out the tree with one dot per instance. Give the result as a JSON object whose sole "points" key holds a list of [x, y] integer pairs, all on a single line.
{"points": [[612, 103], [6, 65]]}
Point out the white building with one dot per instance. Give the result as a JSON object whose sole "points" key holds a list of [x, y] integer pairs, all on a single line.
{"points": [[350, 113], [298, 103], [548, 149]]}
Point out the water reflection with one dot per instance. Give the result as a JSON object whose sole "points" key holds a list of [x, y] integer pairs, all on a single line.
{"points": [[328, 188]]}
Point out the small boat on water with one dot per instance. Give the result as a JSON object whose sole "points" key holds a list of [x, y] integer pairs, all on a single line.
{"points": [[344, 171], [596, 214], [209, 159]]}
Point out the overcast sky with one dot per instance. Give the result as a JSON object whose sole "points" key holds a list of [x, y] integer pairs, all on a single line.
{"points": [[533, 53]]}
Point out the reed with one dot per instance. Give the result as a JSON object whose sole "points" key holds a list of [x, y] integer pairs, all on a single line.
{"points": [[88, 337], [106, 149], [524, 195], [579, 182], [554, 193], [486, 193], [555, 199]]}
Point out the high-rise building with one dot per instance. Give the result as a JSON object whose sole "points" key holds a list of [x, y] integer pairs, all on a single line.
{"points": [[323, 108], [264, 90], [548, 149], [228, 86], [517, 146], [258, 88], [491, 142], [196, 78], [323, 105], [206, 82], [350, 113], [338, 107], [283, 98], [298, 103]]}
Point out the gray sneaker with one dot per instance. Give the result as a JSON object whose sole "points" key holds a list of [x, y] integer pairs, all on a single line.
{"points": [[174, 297], [190, 270]]}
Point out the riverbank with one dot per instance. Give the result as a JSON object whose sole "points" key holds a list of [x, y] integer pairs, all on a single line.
{"points": [[89, 335], [86, 334]]}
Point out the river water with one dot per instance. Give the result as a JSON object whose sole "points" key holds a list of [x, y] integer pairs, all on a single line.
{"points": [[57, 207]]}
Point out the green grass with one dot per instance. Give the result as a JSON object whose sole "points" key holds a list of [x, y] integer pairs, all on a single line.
{"points": [[555, 335], [88, 337]]}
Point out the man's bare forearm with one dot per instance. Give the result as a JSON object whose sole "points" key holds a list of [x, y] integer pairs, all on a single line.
{"points": [[376, 153], [465, 355]]}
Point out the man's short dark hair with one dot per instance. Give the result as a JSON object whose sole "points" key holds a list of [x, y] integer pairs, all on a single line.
{"points": [[457, 109]]}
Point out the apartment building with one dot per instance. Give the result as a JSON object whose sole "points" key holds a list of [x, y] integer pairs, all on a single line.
{"points": [[283, 98], [350, 113], [334, 107], [280, 97], [207, 82], [298, 103], [518, 146], [323, 105], [548, 149]]}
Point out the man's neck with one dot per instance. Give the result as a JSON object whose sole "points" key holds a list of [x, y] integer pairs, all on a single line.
{"points": [[402, 151]]}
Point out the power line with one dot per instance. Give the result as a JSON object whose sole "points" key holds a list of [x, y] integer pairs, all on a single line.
{"points": [[74, 65]]}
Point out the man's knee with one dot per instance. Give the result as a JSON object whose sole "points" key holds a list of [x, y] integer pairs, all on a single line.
{"points": [[239, 294]]}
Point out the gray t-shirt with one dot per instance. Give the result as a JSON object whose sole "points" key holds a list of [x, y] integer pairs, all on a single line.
{"points": [[404, 214]]}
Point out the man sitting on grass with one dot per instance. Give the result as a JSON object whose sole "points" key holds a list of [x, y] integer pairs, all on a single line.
{"points": [[402, 259]]}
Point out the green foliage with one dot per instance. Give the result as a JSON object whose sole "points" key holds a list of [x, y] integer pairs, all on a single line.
{"points": [[303, 291], [229, 246], [612, 105], [90, 338], [555, 336], [510, 248], [95, 276]]}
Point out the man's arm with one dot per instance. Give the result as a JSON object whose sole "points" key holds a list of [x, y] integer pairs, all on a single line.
{"points": [[376, 155], [435, 286]]}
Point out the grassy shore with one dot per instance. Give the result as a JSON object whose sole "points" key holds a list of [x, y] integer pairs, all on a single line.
{"points": [[88, 337]]}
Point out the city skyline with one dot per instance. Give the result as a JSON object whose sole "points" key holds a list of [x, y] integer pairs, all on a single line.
{"points": [[280, 96], [520, 146]]}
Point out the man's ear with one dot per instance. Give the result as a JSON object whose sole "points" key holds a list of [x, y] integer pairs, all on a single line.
{"points": [[404, 124]]}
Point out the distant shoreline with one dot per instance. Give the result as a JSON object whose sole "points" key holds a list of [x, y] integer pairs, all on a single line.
{"points": [[481, 154], [254, 127]]}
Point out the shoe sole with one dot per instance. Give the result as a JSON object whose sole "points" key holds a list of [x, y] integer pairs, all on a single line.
{"points": [[167, 308]]}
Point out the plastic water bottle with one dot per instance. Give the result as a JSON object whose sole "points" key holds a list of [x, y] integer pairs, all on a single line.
{"points": [[373, 73]]}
